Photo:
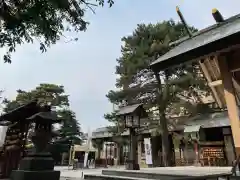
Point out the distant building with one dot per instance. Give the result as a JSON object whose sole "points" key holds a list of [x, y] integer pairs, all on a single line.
{"points": [[212, 132]]}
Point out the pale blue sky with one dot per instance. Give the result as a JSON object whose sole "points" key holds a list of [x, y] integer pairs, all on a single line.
{"points": [[86, 68]]}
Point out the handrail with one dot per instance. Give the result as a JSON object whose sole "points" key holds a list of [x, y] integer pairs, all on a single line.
{"points": [[234, 166]]}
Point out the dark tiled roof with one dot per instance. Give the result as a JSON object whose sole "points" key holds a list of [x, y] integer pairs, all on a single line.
{"points": [[205, 37], [211, 120], [101, 129], [51, 116], [128, 109], [21, 112], [218, 119]]}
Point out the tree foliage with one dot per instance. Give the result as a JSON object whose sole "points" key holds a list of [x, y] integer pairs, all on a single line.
{"points": [[178, 90], [24, 21], [98, 143], [113, 119], [70, 128], [45, 94], [51, 94]]}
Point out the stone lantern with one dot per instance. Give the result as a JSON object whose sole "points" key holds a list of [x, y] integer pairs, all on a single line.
{"points": [[39, 164], [130, 118]]}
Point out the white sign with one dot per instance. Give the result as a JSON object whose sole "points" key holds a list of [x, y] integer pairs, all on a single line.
{"points": [[3, 132], [85, 159], [148, 150]]}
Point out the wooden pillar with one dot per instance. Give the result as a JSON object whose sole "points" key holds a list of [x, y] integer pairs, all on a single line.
{"points": [[139, 152], [70, 155], [106, 153], [231, 101]]}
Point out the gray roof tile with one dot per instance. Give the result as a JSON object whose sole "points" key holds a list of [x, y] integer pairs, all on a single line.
{"points": [[211, 120], [128, 109], [206, 36], [51, 116]]}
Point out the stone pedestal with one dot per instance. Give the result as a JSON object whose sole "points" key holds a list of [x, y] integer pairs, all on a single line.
{"points": [[36, 167], [132, 162], [35, 175], [139, 149], [132, 165], [39, 165]]}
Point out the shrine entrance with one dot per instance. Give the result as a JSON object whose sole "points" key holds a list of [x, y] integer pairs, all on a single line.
{"points": [[217, 49], [13, 148]]}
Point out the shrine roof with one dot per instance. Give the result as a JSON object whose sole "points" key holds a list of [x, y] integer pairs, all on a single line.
{"points": [[50, 116], [21, 112], [214, 38], [128, 109], [213, 120]]}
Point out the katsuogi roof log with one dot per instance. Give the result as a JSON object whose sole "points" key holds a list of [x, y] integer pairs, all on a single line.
{"points": [[216, 38]]}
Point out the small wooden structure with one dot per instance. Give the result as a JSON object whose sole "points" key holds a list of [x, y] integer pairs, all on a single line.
{"points": [[79, 152], [39, 164], [131, 115], [130, 118], [13, 149], [217, 49]]}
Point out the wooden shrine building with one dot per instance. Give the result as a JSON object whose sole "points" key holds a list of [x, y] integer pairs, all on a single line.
{"points": [[217, 49], [13, 148]]}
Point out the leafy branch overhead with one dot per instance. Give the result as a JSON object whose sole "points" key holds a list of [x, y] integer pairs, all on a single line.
{"points": [[25, 21]]}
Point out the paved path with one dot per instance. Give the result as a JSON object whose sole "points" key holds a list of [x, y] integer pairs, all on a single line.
{"points": [[78, 174], [187, 170]]}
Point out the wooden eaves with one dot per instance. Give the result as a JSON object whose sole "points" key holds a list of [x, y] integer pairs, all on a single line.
{"points": [[205, 46]]}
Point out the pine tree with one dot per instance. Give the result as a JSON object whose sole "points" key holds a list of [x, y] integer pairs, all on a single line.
{"points": [[178, 90], [54, 95]]}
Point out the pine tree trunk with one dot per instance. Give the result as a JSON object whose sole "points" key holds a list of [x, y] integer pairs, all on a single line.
{"points": [[99, 152], [164, 94], [118, 153], [165, 142]]}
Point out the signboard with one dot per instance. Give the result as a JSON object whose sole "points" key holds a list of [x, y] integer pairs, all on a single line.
{"points": [[85, 159], [148, 150], [3, 132]]}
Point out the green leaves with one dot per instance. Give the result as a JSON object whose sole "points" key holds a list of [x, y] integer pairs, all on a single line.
{"points": [[50, 94], [102, 2], [98, 143], [136, 82], [46, 94], [70, 128], [44, 21], [176, 92], [42, 48]]}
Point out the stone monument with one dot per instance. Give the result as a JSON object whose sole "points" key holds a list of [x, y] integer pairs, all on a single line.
{"points": [[39, 165]]}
